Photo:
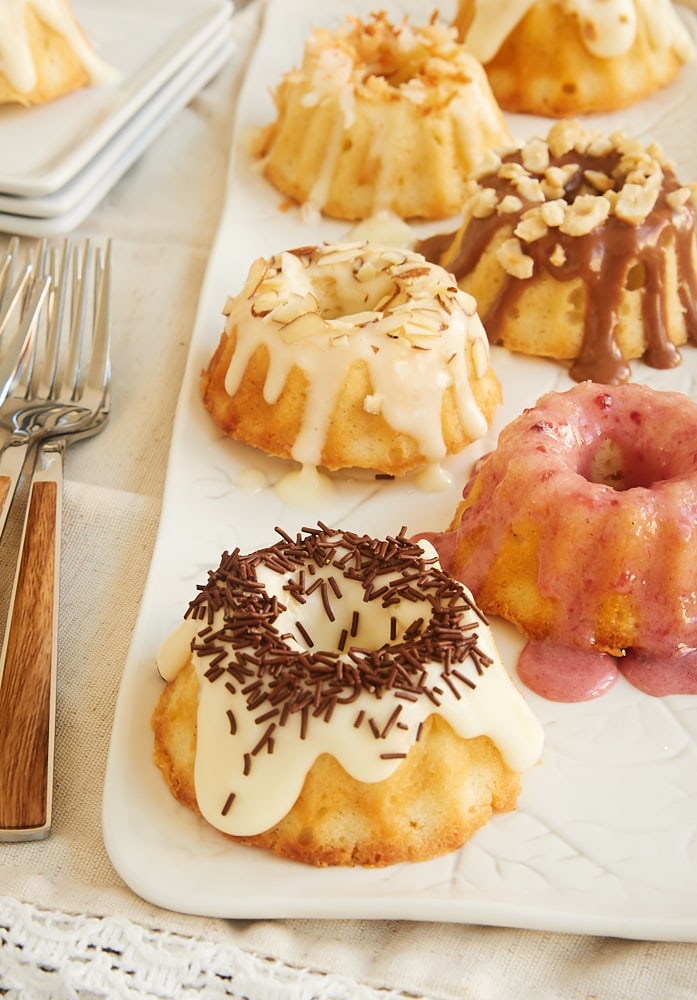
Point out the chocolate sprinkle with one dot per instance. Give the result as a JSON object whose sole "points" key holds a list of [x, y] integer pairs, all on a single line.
{"points": [[277, 680]]}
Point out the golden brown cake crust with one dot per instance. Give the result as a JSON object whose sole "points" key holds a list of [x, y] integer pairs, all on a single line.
{"points": [[356, 438], [445, 790], [544, 66], [571, 80]]}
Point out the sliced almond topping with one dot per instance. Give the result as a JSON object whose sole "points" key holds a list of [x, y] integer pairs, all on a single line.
{"points": [[302, 327], [256, 275], [295, 305], [480, 357]]}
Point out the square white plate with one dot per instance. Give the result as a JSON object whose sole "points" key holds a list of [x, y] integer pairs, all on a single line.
{"points": [[147, 42], [603, 839], [63, 211]]}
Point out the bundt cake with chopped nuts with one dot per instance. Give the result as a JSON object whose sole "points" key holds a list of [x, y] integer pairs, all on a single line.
{"points": [[581, 246]]}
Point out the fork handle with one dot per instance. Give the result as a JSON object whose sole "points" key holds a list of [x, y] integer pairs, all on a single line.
{"points": [[29, 659]]}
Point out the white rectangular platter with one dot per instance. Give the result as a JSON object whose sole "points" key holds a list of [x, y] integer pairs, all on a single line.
{"points": [[603, 840]]}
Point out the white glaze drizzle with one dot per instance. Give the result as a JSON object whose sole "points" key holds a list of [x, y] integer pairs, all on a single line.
{"points": [[608, 26], [16, 61], [493, 707], [328, 307]]}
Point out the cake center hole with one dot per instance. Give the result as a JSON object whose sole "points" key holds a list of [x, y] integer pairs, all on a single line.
{"points": [[607, 466], [349, 294], [326, 621], [626, 467]]}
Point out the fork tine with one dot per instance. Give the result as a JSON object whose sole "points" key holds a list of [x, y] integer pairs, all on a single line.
{"points": [[42, 379], [7, 266], [14, 296], [99, 371], [78, 317], [20, 350]]}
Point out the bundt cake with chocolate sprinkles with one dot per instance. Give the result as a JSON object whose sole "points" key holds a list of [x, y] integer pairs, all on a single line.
{"points": [[339, 700]]}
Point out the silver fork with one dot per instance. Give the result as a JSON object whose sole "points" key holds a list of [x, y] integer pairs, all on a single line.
{"points": [[38, 294], [22, 295], [69, 401]]}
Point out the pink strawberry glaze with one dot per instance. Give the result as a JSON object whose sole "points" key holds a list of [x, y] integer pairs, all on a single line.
{"points": [[560, 673], [661, 675]]}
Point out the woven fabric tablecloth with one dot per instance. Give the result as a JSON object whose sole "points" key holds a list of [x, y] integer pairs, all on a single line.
{"points": [[69, 927]]}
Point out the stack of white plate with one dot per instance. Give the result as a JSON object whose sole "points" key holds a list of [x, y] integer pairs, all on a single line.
{"points": [[57, 161]]}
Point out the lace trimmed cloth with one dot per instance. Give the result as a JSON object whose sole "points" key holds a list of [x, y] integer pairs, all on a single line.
{"points": [[49, 955]]}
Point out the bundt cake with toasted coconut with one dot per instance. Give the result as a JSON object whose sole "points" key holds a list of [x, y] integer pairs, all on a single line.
{"points": [[381, 116], [352, 355], [44, 53], [580, 527], [339, 700], [562, 58], [582, 247]]}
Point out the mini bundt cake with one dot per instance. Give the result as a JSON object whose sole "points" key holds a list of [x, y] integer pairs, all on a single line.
{"points": [[581, 526], [44, 53], [561, 58], [338, 700], [352, 355], [580, 247], [381, 117]]}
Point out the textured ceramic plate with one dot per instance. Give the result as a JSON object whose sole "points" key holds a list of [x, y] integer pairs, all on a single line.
{"points": [[147, 42], [603, 841]]}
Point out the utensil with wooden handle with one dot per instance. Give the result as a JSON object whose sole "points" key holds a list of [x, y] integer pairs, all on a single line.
{"points": [[70, 401]]}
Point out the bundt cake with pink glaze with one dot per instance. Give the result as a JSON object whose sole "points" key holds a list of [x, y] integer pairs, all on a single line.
{"points": [[581, 526]]}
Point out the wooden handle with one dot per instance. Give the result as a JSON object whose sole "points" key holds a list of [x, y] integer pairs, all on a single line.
{"points": [[27, 683], [5, 483]]}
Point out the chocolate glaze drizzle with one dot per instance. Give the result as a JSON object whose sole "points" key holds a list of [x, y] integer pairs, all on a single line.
{"points": [[610, 258]]}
